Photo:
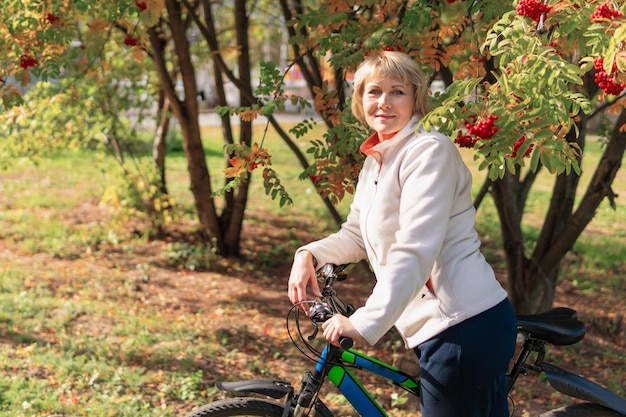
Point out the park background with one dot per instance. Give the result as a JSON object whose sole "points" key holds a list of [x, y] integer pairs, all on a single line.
{"points": [[120, 294]]}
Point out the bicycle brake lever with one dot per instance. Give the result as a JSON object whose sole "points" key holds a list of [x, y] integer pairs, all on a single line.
{"points": [[314, 334]]}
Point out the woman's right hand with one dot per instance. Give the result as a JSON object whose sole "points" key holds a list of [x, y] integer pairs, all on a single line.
{"points": [[301, 276]]}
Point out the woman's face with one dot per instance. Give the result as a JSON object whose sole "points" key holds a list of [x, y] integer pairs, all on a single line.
{"points": [[388, 106]]}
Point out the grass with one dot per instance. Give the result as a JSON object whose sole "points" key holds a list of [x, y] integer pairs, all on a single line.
{"points": [[95, 321], [102, 343]]}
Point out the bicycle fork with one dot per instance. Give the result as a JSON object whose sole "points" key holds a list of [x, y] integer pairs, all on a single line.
{"points": [[309, 388]]}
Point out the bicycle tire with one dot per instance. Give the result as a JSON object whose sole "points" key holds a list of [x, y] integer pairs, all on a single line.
{"points": [[582, 410], [248, 406]]}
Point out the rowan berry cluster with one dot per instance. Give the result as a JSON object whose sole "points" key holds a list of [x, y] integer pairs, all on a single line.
{"points": [[130, 40], [517, 145], [465, 141], [607, 82], [52, 19], [482, 128], [393, 48], [604, 11], [27, 61], [477, 129], [141, 5], [531, 8]]}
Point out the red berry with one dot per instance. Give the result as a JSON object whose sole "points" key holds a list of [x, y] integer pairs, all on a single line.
{"points": [[517, 145], [131, 41], [464, 141], [476, 129], [605, 12], [141, 5], [607, 82], [392, 48], [27, 61], [531, 8], [484, 129], [52, 19]]}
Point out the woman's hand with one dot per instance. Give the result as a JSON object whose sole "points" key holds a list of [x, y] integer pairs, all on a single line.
{"points": [[339, 326], [302, 274]]}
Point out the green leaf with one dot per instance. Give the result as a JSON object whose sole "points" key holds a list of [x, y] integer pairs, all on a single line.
{"points": [[543, 134], [620, 34]]}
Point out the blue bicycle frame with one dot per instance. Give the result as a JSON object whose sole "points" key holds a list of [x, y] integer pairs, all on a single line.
{"points": [[345, 381]]}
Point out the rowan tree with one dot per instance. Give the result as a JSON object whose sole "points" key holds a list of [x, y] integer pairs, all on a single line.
{"points": [[523, 80]]}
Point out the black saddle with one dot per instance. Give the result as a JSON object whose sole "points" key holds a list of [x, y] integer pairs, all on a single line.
{"points": [[559, 326]]}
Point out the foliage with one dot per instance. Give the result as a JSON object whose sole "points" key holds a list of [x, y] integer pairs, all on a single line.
{"points": [[97, 93], [91, 76], [523, 65], [43, 125], [190, 257], [244, 160], [136, 196], [337, 160]]}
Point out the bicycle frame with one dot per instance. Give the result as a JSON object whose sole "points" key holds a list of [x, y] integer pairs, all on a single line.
{"points": [[334, 364], [561, 380], [331, 365]]}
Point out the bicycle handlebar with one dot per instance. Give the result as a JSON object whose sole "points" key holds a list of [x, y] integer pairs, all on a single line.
{"points": [[346, 342], [331, 304]]}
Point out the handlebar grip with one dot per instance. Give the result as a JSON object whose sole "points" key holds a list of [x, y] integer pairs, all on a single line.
{"points": [[346, 342]]}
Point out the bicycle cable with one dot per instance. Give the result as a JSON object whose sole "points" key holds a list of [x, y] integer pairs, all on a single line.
{"points": [[313, 354]]}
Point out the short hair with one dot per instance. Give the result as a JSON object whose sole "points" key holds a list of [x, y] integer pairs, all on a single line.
{"points": [[390, 64]]}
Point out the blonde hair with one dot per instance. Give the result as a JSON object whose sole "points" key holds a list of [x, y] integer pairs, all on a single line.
{"points": [[390, 64]]}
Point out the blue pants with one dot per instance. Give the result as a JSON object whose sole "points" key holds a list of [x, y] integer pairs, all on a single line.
{"points": [[463, 368]]}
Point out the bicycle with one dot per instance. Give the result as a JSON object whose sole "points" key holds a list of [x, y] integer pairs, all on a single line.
{"points": [[558, 326]]}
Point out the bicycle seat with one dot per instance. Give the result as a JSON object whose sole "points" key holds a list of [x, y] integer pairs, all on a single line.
{"points": [[559, 326]]}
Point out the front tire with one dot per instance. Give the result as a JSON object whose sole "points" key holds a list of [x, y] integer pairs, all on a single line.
{"points": [[582, 410], [248, 406], [240, 407]]}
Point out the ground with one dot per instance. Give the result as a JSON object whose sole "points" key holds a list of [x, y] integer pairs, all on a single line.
{"points": [[247, 303]]}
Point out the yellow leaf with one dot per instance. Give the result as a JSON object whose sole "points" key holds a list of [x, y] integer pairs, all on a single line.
{"points": [[153, 11], [248, 115], [237, 168], [138, 53]]}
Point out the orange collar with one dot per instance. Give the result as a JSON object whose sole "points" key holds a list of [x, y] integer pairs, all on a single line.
{"points": [[367, 147]]}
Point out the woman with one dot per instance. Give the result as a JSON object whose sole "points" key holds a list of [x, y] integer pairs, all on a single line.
{"points": [[412, 217]]}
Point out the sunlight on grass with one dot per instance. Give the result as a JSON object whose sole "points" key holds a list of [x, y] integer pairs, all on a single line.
{"points": [[74, 367]]}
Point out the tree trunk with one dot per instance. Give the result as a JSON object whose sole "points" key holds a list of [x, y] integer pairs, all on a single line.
{"points": [[233, 215], [504, 191], [186, 111], [533, 280], [159, 146]]}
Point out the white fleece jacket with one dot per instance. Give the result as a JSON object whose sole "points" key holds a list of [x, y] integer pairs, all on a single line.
{"points": [[412, 217]]}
